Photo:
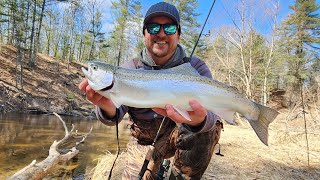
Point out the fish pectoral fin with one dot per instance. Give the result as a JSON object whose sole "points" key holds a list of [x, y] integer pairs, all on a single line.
{"points": [[225, 114], [115, 101], [183, 113]]}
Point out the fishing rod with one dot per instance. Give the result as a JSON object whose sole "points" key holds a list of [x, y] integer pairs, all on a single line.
{"points": [[117, 129], [151, 150], [205, 22], [118, 151]]}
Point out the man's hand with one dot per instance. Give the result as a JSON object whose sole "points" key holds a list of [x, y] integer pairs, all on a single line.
{"points": [[197, 116], [104, 103]]}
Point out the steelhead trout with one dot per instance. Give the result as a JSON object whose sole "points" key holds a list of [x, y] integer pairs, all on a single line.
{"points": [[176, 86]]}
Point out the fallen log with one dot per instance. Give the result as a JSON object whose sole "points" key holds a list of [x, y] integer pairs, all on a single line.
{"points": [[40, 170]]}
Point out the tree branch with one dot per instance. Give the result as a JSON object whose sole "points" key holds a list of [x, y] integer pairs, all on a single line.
{"points": [[41, 169]]}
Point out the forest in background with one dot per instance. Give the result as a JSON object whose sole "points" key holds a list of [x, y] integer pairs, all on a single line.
{"points": [[285, 61]]}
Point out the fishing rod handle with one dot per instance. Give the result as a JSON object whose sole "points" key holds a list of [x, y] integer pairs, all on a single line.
{"points": [[146, 162]]}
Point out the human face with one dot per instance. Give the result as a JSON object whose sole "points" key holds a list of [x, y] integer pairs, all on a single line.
{"points": [[161, 46]]}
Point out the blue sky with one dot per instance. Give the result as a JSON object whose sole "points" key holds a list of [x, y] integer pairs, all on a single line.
{"points": [[223, 12]]}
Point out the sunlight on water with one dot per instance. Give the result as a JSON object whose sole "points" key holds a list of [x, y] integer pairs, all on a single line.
{"points": [[24, 138]]}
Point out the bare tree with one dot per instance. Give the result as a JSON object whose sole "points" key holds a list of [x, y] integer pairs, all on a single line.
{"points": [[244, 57], [270, 59], [72, 40], [37, 41], [95, 20], [34, 14], [241, 41]]}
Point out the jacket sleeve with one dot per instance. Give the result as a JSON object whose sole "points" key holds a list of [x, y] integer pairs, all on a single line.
{"points": [[120, 112], [211, 118]]}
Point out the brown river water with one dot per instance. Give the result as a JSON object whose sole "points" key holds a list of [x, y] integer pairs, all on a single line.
{"points": [[25, 137]]}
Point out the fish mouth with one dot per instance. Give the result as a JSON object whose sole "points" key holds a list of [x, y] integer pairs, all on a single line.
{"points": [[86, 72]]}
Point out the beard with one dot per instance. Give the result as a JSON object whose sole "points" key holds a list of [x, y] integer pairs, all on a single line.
{"points": [[159, 50]]}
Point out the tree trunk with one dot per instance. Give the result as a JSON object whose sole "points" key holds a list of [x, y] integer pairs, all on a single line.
{"points": [[56, 46], [24, 43], [17, 34], [1, 33], [93, 33], [91, 54], [71, 40], [246, 72], [264, 89], [32, 33], [48, 42], [73, 48], [270, 56], [55, 52], [49, 34], [80, 49], [11, 41], [18, 60], [37, 42], [9, 20]]}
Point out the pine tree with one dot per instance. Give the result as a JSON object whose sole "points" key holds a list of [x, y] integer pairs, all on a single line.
{"points": [[301, 41], [188, 22]]}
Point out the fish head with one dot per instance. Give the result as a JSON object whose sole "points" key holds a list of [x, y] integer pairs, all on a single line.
{"points": [[100, 75]]}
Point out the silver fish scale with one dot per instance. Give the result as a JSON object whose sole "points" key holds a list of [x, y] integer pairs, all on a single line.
{"points": [[134, 74]]}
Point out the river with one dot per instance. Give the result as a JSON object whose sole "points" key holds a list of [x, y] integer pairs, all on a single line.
{"points": [[25, 137]]}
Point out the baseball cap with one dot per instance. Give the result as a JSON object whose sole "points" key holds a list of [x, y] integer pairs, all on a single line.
{"points": [[163, 9]]}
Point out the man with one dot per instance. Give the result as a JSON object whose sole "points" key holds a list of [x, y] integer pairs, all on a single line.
{"points": [[190, 142]]}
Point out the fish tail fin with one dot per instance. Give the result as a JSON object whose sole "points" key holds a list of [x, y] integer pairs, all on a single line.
{"points": [[260, 126]]}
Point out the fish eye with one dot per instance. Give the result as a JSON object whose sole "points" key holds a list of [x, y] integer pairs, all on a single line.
{"points": [[94, 67]]}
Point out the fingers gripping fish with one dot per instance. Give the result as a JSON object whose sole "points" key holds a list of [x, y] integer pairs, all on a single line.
{"points": [[176, 86]]}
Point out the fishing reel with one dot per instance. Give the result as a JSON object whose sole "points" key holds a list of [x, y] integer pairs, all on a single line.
{"points": [[164, 169]]}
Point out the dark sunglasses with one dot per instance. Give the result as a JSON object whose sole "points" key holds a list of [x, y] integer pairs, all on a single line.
{"points": [[154, 28]]}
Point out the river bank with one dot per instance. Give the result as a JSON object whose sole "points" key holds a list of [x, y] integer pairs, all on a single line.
{"points": [[48, 87]]}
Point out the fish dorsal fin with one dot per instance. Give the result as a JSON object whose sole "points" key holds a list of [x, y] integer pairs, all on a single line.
{"points": [[184, 68]]}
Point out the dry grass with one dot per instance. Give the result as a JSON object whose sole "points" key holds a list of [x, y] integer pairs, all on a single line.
{"points": [[245, 157], [136, 158]]}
